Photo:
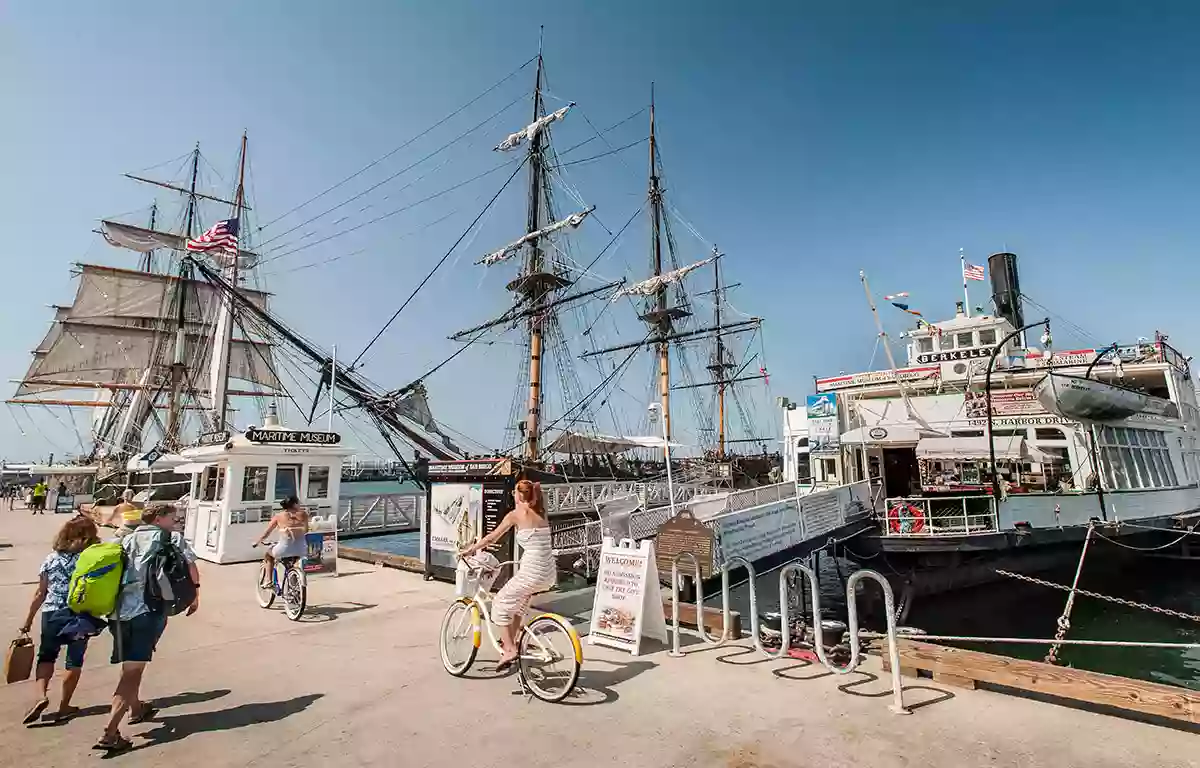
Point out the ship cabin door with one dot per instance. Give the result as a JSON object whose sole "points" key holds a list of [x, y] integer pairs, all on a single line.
{"points": [[900, 474]]}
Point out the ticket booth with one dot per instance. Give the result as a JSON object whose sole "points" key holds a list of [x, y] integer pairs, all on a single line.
{"points": [[238, 481], [466, 500]]}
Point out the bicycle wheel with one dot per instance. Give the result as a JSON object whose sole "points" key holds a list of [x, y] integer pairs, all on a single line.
{"points": [[295, 593], [549, 657], [266, 595], [460, 634]]}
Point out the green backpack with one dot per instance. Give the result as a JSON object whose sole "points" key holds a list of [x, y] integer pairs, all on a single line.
{"points": [[96, 581]]}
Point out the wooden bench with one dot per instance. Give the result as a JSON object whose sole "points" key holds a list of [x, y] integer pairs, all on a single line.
{"points": [[963, 668], [714, 620]]}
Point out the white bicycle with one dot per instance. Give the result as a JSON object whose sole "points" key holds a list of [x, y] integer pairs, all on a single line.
{"points": [[549, 655]]}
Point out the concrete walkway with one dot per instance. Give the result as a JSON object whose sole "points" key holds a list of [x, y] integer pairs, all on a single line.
{"points": [[358, 682]]}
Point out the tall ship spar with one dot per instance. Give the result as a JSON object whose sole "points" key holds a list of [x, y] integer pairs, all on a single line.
{"points": [[1103, 436], [554, 430], [160, 355]]}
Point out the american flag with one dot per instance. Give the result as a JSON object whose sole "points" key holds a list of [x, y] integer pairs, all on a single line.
{"points": [[222, 236], [972, 272]]}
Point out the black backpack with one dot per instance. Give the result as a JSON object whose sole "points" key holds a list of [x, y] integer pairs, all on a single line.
{"points": [[169, 585]]}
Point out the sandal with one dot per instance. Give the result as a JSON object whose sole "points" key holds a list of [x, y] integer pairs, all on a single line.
{"points": [[113, 744], [506, 664], [35, 712], [148, 711]]}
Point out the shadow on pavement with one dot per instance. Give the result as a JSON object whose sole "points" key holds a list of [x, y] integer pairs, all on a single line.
{"points": [[595, 686], [321, 613], [174, 728], [165, 702]]}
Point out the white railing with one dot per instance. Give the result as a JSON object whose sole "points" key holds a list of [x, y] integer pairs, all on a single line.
{"points": [[939, 516], [756, 497], [380, 512], [585, 497]]}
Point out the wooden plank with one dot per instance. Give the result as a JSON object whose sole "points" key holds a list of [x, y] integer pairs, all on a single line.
{"points": [[713, 618], [381, 559], [1148, 698]]}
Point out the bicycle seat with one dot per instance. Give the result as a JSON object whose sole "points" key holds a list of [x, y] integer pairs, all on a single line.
{"points": [[289, 561]]}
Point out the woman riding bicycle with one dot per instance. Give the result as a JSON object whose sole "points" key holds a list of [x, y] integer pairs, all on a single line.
{"points": [[536, 570], [292, 523]]}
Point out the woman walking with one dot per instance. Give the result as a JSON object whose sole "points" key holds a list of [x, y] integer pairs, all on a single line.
{"points": [[536, 571], [54, 580]]}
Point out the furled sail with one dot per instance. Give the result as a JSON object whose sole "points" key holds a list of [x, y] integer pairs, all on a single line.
{"points": [[529, 132], [507, 252], [144, 240], [651, 285]]}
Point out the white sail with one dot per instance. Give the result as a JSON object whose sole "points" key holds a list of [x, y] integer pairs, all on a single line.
{"points": [[94, 353], [106, 293], [650, 286], [529, 132], [145, 240], [507, 252]]}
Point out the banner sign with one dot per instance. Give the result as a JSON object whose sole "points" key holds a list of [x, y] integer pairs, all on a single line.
{"points": [[954, 355], [292, 436], [823, 433], [628, 603], [454, 512], [322, 543], [877, 377], [1011, 402]]}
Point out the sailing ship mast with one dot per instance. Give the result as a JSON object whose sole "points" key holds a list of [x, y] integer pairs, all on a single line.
{"points": [[223, 332], [537, 283], [659, 319]]}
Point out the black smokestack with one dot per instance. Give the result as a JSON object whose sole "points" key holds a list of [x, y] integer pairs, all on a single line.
{"points": [[1006, 287]]}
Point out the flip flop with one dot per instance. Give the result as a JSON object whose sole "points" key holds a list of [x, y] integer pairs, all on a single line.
{"points": [[148, 711], [506, 665], [116, 745], [35, 712]]}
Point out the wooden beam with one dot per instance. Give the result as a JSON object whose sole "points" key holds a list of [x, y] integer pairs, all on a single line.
{"points": [[956, 666], [713, 619]]}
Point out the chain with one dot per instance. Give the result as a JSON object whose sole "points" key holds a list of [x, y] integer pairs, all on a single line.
{"points": [[1098, 596]]}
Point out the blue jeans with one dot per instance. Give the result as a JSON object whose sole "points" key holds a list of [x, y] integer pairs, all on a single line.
{"points": [[50, 643]]}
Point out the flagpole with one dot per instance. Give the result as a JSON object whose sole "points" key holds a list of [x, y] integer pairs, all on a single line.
{"points": [[962, 258], [887, 347]]}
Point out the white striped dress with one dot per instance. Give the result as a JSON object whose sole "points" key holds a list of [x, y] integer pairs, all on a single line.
{"points": [[536, 573]]}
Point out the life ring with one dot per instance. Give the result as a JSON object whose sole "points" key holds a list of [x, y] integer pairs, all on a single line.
{"points": [[906, 518]]}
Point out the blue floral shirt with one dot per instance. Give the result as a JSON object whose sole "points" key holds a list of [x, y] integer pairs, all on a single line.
{"points": [[57, 568]]}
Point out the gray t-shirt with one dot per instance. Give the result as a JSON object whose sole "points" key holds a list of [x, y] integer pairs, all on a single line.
{"points": [[140, 548]]}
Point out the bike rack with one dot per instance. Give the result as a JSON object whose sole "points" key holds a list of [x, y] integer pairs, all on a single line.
{"points": [[856, 656]]}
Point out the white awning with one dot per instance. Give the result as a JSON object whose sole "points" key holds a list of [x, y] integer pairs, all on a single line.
{"points": [[892, 434], [1008, 448], [61, 469], [573, 442], [191, 469]]}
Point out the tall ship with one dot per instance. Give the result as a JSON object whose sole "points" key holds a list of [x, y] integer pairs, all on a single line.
{"points": [[1103, 437], [181, 344]]}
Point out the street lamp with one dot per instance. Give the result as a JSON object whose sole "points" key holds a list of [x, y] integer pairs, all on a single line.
{"points": [[655, 411], [987, 396]]}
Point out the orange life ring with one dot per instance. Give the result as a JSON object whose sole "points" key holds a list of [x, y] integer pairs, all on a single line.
{"points": [[906, 518]]}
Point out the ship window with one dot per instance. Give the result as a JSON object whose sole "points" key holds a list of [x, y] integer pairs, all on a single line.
{"points": [[967, 433], [925, 344], [1136, 458], [287, 480], [803, 469], [965, 339], [1049, 433], [254, 484], [987, 337], [318, 483], [946, 341], [213, 484]]}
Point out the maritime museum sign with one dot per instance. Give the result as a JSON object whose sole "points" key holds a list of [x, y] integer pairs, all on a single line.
{"points": [[292, 436], [956, 354]]}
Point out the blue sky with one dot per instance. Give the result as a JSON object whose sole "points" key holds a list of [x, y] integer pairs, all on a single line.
{"points": [[808, 141]]}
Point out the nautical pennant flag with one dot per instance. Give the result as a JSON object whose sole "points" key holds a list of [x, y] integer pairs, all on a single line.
{"points": [[894, 296], [222, 236], [905, 308], [972, 272], [763, 371]]}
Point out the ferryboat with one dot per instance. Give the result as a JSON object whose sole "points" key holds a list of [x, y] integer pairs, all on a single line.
{"points": [[1075, 436]]}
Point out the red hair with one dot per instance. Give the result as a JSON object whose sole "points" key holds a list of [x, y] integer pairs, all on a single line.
{"points": [[531, 493]]}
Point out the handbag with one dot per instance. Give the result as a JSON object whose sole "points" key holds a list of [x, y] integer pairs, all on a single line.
{"points": [[18, 662]]}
